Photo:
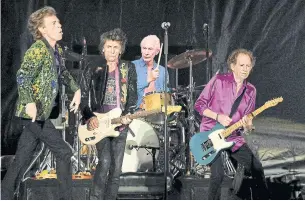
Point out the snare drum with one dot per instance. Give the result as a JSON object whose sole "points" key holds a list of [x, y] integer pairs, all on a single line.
{"points": [[153, 101], [139, 149]]}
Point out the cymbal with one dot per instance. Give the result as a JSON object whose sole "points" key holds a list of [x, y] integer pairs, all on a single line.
{"points": [[182, 60], [184, 89], [72, 56]]}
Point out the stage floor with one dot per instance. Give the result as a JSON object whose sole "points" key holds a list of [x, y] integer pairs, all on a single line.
{"points": [[278, 143]]}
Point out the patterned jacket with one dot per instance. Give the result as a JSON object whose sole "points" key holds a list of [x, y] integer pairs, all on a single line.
{"points": [[37, 80]]}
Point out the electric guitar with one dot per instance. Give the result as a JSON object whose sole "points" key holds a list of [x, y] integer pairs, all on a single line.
{"points": [[205, 146], [112, 119]]}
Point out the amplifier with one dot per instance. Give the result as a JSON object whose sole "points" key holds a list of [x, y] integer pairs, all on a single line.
{"points": [[47, 189]]}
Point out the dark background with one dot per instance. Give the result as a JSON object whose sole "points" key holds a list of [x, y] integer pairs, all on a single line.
{"points": [[274, 30]]}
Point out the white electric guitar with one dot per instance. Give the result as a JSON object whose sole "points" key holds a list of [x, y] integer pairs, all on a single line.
{"points": [[112, 119]]}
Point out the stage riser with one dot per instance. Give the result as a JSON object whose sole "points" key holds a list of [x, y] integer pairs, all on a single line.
{"points": [[135, 187], [132, 186]]}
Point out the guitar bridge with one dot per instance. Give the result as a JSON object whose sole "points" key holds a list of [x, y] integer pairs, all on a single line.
{"points": [[206, 145]]}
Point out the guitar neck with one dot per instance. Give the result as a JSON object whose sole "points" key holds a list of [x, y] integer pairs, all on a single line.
{"points": [[238, 124], [135, 115]]}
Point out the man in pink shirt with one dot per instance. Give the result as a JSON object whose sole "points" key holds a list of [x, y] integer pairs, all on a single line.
{"points": [[215, 103]]}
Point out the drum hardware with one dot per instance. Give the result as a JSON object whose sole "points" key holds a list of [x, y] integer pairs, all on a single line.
{"points": [[176, 147], [24, 178], [184, 60], [206, 34], [142, 147], [77, 164], [72, 56], [64, 98], [81, 170], [202, 170], [165, 26], [180, 157], [76, 142], [152, 153], [145, 136]]}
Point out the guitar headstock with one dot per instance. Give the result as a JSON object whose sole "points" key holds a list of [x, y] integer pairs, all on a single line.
{"points": [[274, 102], [172, 108]]}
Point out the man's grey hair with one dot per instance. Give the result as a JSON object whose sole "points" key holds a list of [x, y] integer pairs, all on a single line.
{"points": [[153, 38]]}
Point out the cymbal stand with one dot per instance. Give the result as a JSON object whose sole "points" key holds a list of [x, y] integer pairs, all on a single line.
{"points": [[76, 143], [64, 98], [176, 84], [191, 117], [209, 70]]}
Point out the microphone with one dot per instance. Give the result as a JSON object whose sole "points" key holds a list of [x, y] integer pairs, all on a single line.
{"points": [[165, 25], [205, 27]]}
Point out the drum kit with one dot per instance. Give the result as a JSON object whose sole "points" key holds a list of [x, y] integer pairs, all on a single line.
{"points": [[144, 151]]}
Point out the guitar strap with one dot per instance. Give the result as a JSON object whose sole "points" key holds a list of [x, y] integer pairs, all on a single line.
{"points": [[239, 175], [236, 103]]}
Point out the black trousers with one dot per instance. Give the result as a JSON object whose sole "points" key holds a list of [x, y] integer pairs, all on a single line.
{"points": [[107, 175], [245, 157], [33, 133]]}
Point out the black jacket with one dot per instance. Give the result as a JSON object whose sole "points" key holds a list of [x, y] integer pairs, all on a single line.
{"points": [[94, 81]]}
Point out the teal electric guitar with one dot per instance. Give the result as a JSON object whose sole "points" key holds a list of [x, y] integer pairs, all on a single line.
{"points": [[205, 146]]}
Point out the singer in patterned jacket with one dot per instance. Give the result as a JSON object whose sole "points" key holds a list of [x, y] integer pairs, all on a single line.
{"points": [[38, 84]]}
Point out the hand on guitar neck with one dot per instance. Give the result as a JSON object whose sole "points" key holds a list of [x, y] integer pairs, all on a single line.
{"points": [[226, 121], [205, 146], [125, 120], [247, 123], [108, 122]]}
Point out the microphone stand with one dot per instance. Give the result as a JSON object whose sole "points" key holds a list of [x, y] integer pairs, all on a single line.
{"points": [[165, 112], [176, 81], [189, 161], [209, 69], [64, 97], [82, 64]]}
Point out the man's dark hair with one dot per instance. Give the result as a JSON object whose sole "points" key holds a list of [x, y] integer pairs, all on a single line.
{"points": [[116, 35]]}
